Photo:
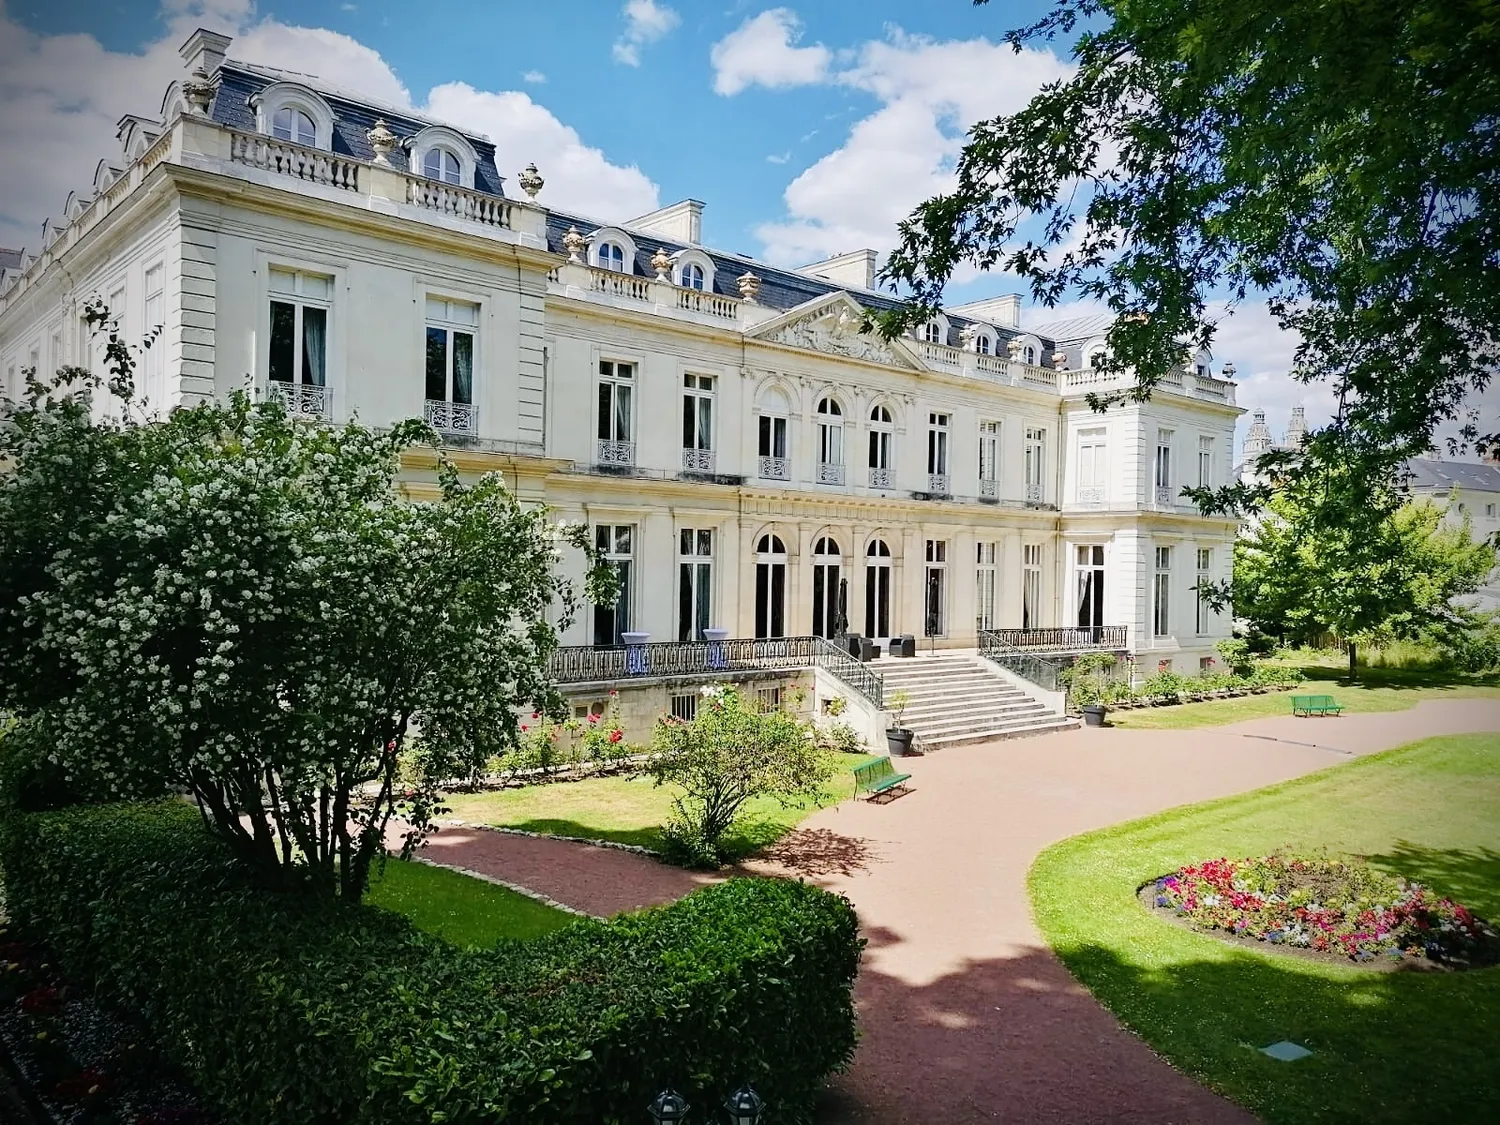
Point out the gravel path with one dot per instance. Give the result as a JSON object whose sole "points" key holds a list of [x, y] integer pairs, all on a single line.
{"points": [[965, 1015]]}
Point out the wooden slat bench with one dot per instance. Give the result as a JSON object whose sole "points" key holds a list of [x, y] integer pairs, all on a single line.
{"points": [[1315, 705], [877, 777]]}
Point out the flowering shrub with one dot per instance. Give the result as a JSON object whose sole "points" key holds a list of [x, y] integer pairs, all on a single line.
{"points": [[1330, 906], [243, 605]]}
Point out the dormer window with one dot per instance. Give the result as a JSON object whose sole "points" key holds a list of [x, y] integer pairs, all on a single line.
{"points": [[612, 256], [1030, 355], [982, 344], [932, 332], [291, 124], [440, 164], [692, 276]]}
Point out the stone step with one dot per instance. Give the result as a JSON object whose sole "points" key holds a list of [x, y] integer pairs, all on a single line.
{"points": [[1019, 718], [934, 720], [1053, 722], [958, 693]]}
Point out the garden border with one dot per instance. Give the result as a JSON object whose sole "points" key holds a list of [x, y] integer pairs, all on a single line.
{"points": [[535, 896]]}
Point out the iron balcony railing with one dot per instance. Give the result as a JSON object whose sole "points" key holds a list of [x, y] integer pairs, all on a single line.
{"points": [[577, 664], [1082, 638], [1046, 674]]}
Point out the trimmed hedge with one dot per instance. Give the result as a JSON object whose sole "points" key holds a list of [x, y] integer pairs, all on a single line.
{"points": [[291, 1010]]}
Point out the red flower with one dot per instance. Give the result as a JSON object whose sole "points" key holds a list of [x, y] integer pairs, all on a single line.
{"points": [[616, 735], [524, 727], [613, 693], [536, 714], [593, 718]]}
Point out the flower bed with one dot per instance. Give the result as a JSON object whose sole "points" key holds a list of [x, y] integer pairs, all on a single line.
{"points": [[1332, 907], [1094, 679]]}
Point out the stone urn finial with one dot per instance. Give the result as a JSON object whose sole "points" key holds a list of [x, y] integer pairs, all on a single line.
{"points": [[382, 140], [1013, 349], [1060, 360], [968, 337], [531, 181], [661, 262], [749, 286], [573, 243], [199, 91]]}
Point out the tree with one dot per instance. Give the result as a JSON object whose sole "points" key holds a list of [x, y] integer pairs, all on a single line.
{"points": [[1363, 575], [241, 604], [1339, 157], [728, 754]]}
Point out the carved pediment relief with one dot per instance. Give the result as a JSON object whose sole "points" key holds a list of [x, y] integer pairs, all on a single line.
{"points": [[833, 328]]}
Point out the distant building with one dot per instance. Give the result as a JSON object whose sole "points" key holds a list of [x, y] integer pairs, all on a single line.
{"points": [[1466, 488]]}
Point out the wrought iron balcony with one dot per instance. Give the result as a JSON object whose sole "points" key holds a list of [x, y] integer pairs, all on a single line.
{"points": [[830, 473], [882, 478], [1165, 496], [937, 484], [452, 417], [775, 468], [1033, 492], [578, 664], [618, 454], [989, 489], [1081, 638], [302, 399], [697, 460], [1091, 494]]}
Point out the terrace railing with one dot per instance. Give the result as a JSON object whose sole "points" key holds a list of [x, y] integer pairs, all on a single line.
{"points": [[1046, 674], [1082, 638], [576, 664]]}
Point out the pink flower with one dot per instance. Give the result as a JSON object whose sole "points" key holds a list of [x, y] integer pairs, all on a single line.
{"points": [[593, 718]]}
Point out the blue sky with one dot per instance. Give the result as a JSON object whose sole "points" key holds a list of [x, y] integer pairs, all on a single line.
{"points": [[808, 128]]}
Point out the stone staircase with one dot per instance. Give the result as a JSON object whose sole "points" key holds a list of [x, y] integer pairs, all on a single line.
{"points": [[960, 698]]}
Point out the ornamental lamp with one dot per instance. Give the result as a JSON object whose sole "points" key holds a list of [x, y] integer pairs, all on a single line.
{"points": [[745, 1106], [669, 1106]]}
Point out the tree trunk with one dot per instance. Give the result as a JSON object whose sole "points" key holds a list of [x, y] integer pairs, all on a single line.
{"points": [[1353, 659]]}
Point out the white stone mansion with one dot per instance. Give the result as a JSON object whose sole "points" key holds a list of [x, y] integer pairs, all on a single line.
{"points": [[751, 460]]}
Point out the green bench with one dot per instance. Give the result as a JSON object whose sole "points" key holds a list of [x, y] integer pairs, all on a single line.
{"points": [[1315, 705], [877, 777]]}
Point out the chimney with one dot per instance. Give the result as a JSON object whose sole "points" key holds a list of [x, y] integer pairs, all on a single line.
{"points": [[1004, 310], [855, 268], [680, 222], [204, 49]]}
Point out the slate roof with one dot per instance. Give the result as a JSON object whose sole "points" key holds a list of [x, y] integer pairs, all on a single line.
{"points": [[1075, 329], [353, 116], [10, 259], [1443, 475]]}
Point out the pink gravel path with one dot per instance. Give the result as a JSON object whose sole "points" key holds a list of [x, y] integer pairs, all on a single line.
{"points": [[964, 1014]]}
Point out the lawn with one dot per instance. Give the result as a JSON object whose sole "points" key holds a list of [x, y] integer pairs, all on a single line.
{"points": [[1387, 1047], [1377, 689], [631, 810], [458, 907]]}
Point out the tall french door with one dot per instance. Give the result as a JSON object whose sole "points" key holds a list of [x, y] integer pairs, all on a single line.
{"points": [[827, 569], [878, 590], [770, 587]]}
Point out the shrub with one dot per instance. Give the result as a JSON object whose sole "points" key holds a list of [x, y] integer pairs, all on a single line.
{"points": [[289, 1008]]}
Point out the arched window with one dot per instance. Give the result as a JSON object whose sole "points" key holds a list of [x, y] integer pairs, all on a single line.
{"points": [[877, 589], [982, 344], [826, 546], [830, 608], [290, 124], [692, 276], [932, 332], [1031, 355], [830, 442], [770, 587], [773, 460], [612, 256], [440, 164]]}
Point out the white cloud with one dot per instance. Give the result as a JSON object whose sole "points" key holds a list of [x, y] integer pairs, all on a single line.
{"points": [[535, 77], [645, 22], [762, 52], [778, 157], [903, 153], [63, 95]]}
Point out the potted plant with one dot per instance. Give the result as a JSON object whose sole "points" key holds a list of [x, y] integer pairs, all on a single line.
{"points": [[897, 737], [1086, 681]]}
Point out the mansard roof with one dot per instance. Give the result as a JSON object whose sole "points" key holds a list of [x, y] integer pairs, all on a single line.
{"points": [[1443, 475], [354, 115], [11, 259]]}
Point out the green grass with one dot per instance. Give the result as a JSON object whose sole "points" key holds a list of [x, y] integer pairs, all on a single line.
{"points": [[631, 810], [1387, 1047], [1377, 689], [458, 907]]}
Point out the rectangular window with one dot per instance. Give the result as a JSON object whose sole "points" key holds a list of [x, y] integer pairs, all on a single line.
{"points": [[298, 351], [985, 584], [1031, 586], [155, 348], [698, 413], [1162, 473], [1205, 462], [1089, 576], [685, 707], [615, 421], [615, 543], [695, 553], [1203, 614], [1161, 619], [55, 359], [772, 436], [1489, 510], [1093, 464], [450, 350], [1036, 441], [769, 698], [937, 445], [989, 458], [880, 446], [936, 615]]}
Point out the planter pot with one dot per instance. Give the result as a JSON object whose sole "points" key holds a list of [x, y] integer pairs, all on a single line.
{"points": [[1093, 714], [899, 741]]}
